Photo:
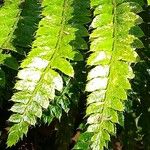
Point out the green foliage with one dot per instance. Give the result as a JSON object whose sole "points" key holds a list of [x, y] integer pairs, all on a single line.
{"points": [[137, 110], [9, 15], [26, 26], [59, 104], [113, 52], [63, 100], [50, 84], [17, 29], [55, 43]]}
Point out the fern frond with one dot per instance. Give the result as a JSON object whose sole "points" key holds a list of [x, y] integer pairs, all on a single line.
{"points": [[9, 16], [20, 22], [66, 98], [113, 52], [55, 45]]}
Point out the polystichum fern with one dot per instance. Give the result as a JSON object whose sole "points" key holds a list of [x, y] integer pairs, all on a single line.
{"points": [[62, 101], [113, 52], [9, 15], [54, 46], [47, 81]]}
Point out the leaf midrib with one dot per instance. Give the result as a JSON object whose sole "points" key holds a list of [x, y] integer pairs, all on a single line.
{"points": [[111, 59]]}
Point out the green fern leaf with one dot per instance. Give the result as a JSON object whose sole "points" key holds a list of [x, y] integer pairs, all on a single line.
{"points": [[56, 43], [9, 61], [59, 104], [65, 99], [112, 54], [9, 16]]}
